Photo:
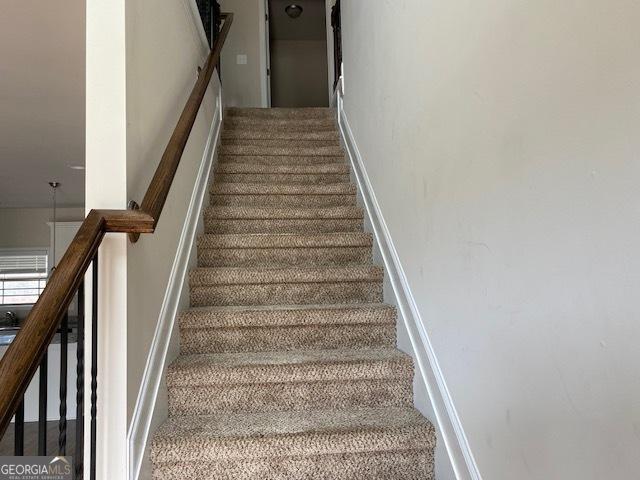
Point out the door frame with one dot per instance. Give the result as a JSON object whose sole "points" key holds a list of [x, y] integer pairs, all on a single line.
{"points": [[265, 54]]}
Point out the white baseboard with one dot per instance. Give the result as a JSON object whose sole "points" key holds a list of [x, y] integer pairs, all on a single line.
{"points": [[138, 434], [446, 417]]}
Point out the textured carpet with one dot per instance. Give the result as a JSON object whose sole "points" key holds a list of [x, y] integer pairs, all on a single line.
{"points": [[288, 367]]}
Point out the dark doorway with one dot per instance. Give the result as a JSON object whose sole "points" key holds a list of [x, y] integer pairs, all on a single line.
{"points": [[298, 53]]}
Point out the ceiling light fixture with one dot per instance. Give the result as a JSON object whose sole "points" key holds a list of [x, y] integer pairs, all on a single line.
{"points": [[76, 167], [293, 10]]}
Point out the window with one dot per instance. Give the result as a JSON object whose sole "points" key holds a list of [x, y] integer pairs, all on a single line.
{"points": [[23, 275]]}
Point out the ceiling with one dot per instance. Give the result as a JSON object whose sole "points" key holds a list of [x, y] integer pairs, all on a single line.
{"points": [[311, 25], [42, 101]]}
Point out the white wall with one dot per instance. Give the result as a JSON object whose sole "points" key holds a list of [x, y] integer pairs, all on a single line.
{"points": [[243, 84], [501, 141], [157, 89], [27, 227], [42, 115]]}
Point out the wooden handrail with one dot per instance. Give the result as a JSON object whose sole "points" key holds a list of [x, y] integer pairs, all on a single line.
{"points": [[21, 360]]}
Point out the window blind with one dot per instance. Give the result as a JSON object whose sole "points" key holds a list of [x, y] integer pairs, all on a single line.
{"points": [[23, 276], [23, 263]]}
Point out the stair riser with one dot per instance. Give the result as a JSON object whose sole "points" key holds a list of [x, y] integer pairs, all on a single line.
{"points": [[334, 168], [281, 126], [256, 257], [289, 294], [298, 151], [217, 225], [235, 188], [266, 213], [353, 239], [281, 113], [242, 317], [280, 142], [272, 397], [366, 442], [284, 200], [297, 337], [388, 465], [283, 178], [262, 134], [281, 160]]}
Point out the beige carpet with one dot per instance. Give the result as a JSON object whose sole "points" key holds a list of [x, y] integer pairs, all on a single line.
{"points": [[288, 366]]}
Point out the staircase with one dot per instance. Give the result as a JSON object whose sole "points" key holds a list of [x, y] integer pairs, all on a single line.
{"points": [[288, 366]]}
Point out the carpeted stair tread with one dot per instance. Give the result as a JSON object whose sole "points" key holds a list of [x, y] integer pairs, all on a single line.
{"points": [[260, 213], [287, 315], [282, 240], [253, 134], [288, 366], [279, 143], [267, 257], [284, 200], [284, 328], [289, 380], [251, 250], [274, 435], [285, 178], [238, 188], [335, 168], [300, 274], [314, 225], [411, 464], [295, 151], [281, 159], [283, 125], [285, 285], [281, 113]]}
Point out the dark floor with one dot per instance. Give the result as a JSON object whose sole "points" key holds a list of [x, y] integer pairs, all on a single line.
{"points": [[31, 439]]}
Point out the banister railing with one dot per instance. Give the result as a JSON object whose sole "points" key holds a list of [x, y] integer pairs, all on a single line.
{"points": [[24, 355]]}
